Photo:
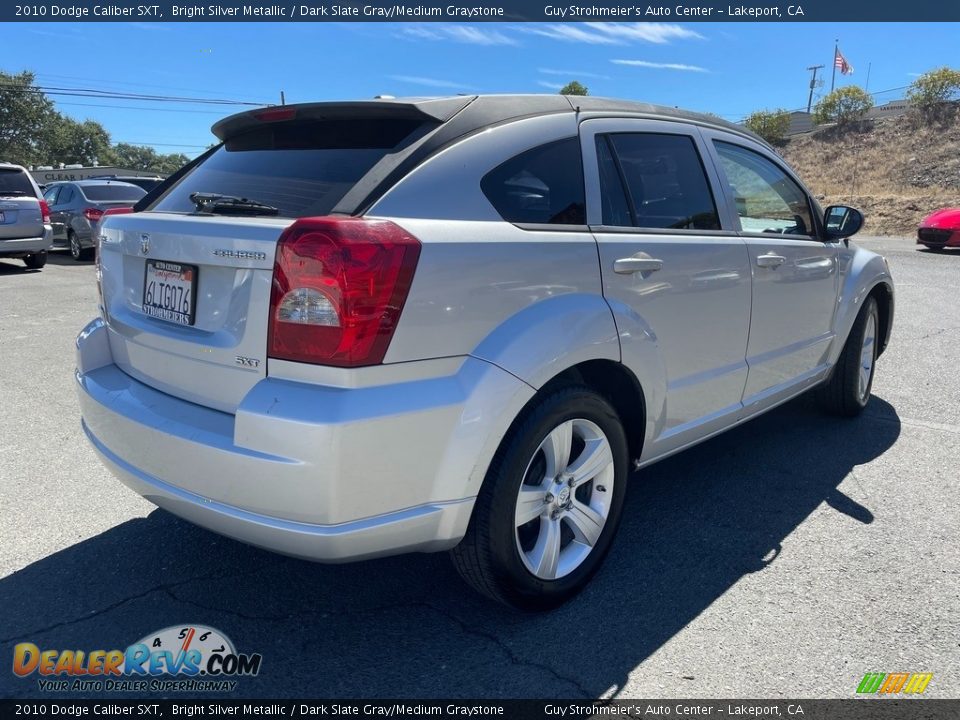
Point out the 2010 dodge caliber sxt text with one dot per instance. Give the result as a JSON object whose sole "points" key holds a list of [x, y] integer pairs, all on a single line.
{"points": [[365, 328]]}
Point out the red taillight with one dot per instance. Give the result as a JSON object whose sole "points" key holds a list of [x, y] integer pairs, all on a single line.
{"points": [[44, 211], [92, 214], [115, 211], [339, 285]]}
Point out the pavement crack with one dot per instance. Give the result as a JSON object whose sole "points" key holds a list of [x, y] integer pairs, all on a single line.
{"points": [[506, 650], [165, 588], [941, 331], [465, 628]]}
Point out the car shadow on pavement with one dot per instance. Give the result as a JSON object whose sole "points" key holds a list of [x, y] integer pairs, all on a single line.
{"points": [[13, 266], [63, 257], [694, 525]]}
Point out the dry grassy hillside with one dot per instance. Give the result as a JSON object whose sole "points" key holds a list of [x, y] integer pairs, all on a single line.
{"points": [[896, 170]]}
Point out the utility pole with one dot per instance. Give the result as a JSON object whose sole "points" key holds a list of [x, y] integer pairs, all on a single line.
{"points": [[283, 99], [813, 84]]}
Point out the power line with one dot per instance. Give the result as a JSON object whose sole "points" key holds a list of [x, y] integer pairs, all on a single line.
{"points": [[744, 116], [140, 107], [121, 82], [115, 95]]}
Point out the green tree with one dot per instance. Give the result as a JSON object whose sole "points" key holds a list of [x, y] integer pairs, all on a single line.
{"points": [[771, 125], [843, 106], [32, 132], [934, 88], [25, 119], [69, 141], [171, 162], [574, 88], [139, 157]]}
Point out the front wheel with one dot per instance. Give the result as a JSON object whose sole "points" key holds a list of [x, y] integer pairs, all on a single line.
{"points": [[550, 504], [848, 390]]}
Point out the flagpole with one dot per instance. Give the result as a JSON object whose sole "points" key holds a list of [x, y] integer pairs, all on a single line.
{"points": [[836, 49]]}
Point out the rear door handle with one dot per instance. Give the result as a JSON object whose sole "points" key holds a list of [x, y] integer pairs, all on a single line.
{"points": [[770, 260], [630, 265]]}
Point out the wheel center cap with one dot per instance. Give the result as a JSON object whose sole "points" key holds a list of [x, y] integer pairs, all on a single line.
{"points": [[563, 497]]}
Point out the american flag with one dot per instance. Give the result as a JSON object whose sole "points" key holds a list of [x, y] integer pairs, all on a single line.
{"points": [[840, 62]]}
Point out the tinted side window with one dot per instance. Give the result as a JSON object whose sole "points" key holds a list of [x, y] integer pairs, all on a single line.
{"points": [[542, 185], [767, 199], [51, 194], [666, 184], [66, 195]]}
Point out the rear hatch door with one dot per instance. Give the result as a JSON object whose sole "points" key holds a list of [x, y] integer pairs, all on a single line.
{"points": [[186, 284], [20, 215]]}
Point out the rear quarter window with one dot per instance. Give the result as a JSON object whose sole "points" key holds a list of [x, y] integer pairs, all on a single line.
{"points": [[16, 182], [300, 168], [542, 186]]}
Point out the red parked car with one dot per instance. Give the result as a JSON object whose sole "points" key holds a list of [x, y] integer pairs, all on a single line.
{"points": [[940, 229]]}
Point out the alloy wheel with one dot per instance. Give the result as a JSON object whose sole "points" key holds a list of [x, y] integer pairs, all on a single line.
{"points": [[564, 499]]}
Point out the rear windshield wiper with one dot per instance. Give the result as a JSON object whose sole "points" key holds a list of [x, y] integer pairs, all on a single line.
{"points": [[229, 204]]}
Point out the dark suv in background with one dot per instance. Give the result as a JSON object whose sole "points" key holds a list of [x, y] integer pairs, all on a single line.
{"points": [[25, 230]]}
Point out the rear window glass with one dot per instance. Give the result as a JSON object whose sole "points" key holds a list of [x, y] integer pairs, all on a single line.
{"points": [[15, 182], [300, 168], [540, 186], [112, 192]]}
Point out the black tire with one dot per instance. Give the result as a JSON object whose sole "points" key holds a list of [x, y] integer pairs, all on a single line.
{"points": [[36, 261], [489, 557], [77, 252], [841, 394]]}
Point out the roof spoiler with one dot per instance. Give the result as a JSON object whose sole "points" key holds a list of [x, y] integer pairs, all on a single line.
{"points": [[437, 110]]}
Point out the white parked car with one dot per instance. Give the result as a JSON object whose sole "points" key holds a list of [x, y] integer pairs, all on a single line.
{"points": [[366, 328]]}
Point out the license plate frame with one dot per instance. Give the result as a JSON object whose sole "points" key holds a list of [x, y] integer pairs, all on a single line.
{"points": [[173, 283]]}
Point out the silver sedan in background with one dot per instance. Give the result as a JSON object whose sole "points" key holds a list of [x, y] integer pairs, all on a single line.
{"points": [[75, 208]]}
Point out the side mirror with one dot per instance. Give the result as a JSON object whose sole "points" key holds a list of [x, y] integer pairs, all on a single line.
{"points": [[841, 222]]}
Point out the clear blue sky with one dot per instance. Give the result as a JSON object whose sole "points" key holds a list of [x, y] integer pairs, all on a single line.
{"points": [[729, 69]]}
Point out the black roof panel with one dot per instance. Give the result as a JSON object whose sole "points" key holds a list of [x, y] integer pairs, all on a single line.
{"points": [[446, 120]]}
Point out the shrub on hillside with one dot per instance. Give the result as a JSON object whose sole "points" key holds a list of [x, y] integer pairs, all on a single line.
{"points": [[843, 106], [771, 125], [932, 89]]}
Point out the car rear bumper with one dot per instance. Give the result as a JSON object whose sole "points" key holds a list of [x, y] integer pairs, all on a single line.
{"points": [[323, 473], [26, 246]]}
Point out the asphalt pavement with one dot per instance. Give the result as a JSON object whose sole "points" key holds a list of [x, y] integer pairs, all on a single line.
{"points": [[785, 558]]}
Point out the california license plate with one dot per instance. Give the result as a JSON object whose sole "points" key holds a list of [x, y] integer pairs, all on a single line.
{"points": [[170, 291]]}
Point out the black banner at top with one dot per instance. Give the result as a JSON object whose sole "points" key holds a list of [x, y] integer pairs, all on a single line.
{"points": [[482, 11]]}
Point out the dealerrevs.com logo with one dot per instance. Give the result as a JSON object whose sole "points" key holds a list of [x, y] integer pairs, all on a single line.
{"points": [[184, 658]]}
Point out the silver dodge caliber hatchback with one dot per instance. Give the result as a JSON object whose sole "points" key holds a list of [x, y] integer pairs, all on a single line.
{"points": [[364, 328]]}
